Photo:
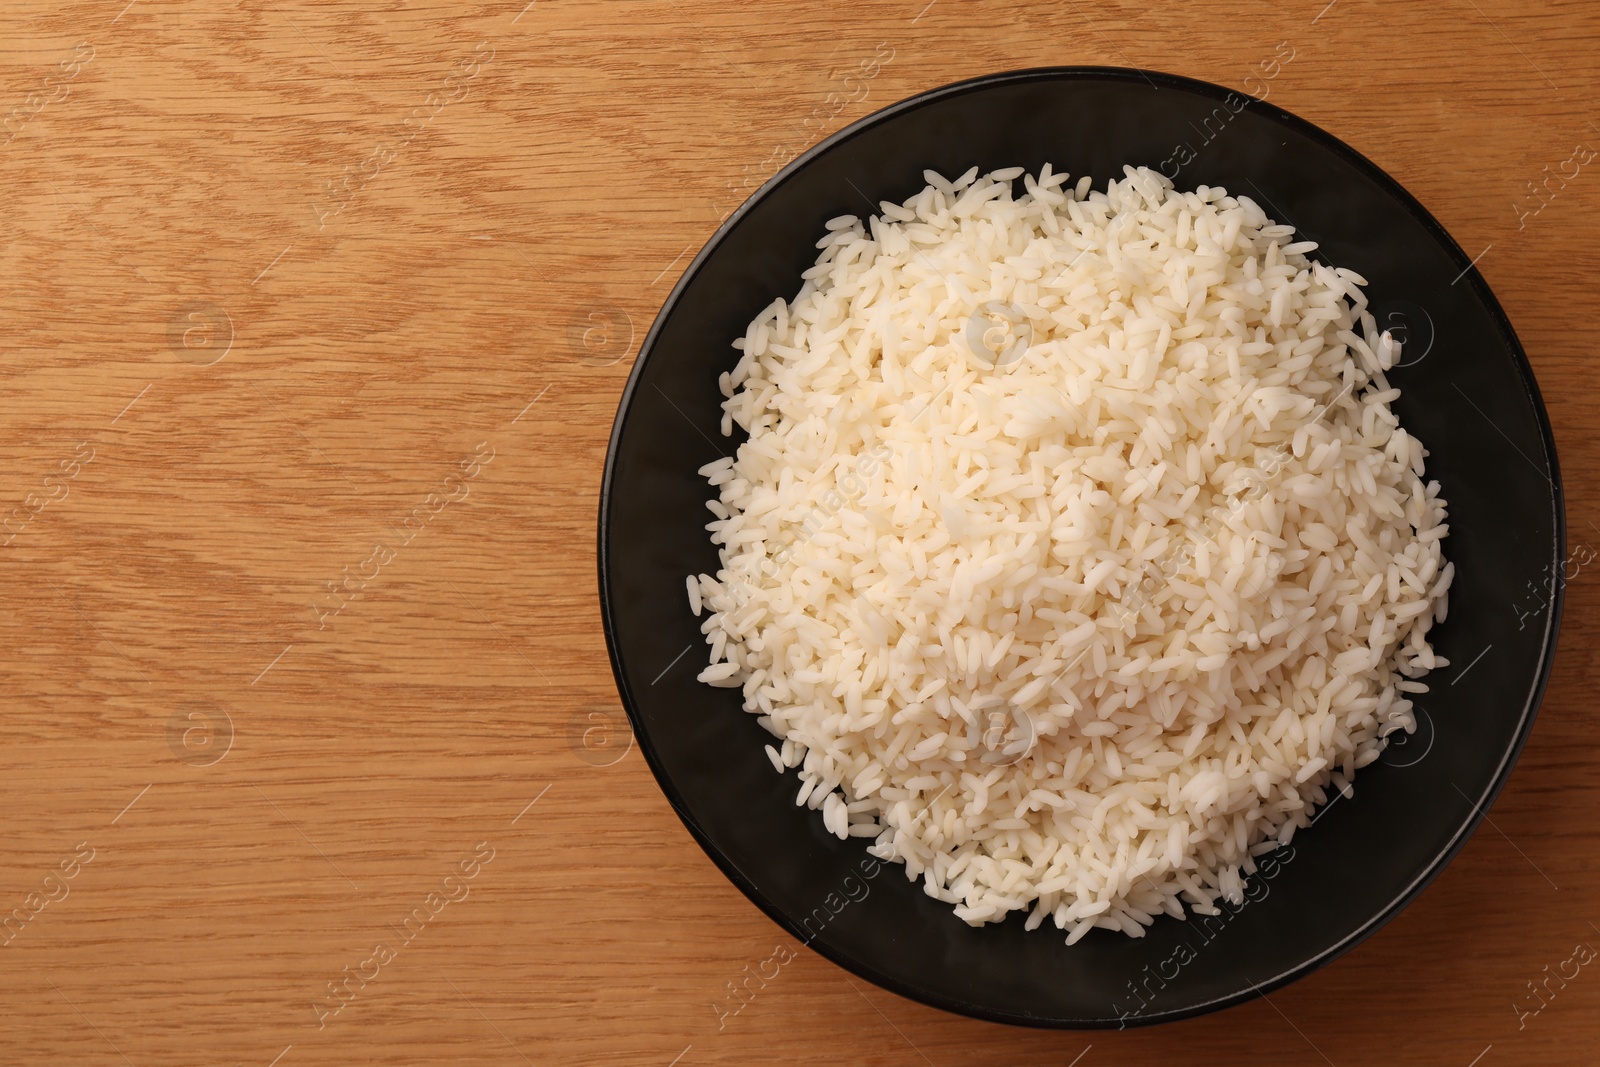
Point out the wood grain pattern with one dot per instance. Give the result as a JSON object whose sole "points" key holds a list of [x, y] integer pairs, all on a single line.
{"points": [[276, 275]]}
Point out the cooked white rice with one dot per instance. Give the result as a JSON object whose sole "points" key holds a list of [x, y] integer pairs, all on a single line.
{"points": [[1083, 627]]}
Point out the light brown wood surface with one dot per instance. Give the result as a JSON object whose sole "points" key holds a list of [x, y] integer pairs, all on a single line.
{"points": [[280, 320]]}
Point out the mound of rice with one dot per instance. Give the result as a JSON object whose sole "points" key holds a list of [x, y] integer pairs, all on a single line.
{"points": [[1081, 617]]}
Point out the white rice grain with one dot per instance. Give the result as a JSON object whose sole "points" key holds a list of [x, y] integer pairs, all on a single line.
{"points": [[1081, 631]]}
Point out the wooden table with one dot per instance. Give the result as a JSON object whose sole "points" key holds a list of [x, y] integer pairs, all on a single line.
{"points": [[286, 281]]}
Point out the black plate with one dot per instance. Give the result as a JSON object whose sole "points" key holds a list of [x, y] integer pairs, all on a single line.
{"points": [[1469, 394]]}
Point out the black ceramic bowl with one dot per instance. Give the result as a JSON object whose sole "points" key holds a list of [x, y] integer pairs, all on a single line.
{"points": [[1468, 393]]}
